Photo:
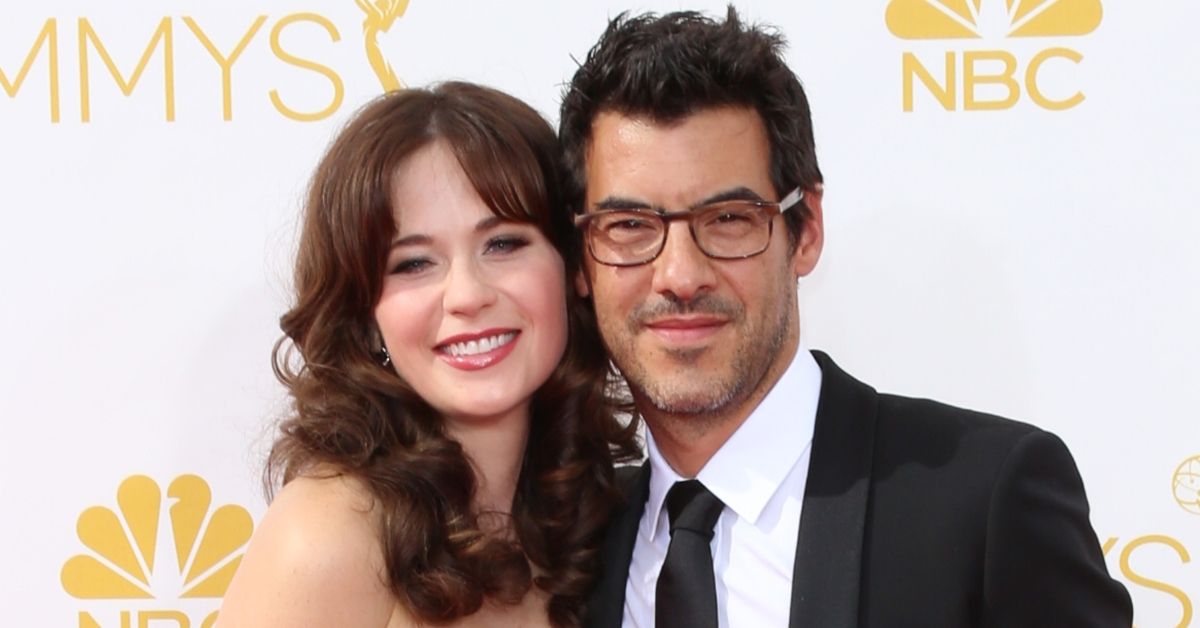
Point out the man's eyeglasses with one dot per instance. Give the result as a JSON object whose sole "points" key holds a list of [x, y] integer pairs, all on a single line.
{"points": [[725, 230]]}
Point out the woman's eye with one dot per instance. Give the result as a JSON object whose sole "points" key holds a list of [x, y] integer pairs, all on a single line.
{"points": [[506, 244], [411, 266]]}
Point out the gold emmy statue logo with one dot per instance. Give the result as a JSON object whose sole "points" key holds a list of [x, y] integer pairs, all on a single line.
{"points": [[972, 19], [123, 544], [380, 16], [1186, 485]]}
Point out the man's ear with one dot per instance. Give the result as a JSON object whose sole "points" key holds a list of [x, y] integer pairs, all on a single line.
{"points": [[582, 286], [812, 235]]}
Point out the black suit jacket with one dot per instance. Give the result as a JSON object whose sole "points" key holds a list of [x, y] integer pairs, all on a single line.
{"points": [[919, 514]]}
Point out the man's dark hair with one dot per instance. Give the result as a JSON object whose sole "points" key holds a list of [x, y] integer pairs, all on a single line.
{"points": [[670, 66]]}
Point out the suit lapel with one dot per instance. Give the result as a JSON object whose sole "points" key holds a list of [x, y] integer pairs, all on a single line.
{"points": [[829, 550], [606, 604]]}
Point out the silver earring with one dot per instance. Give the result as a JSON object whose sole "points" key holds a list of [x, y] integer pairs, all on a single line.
{"points": [[385, 357]]}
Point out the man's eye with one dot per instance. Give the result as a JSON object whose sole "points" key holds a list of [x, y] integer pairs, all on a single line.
{"points": [[411, 266], [629, 224], [506, 244], [731, 216], [729, 213]]}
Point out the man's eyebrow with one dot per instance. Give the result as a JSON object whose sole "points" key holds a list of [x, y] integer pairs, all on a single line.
{"points": [[739, 193], [620, 202]]}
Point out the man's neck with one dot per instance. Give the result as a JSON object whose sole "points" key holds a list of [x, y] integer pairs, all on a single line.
{"points": [[688, 441]]}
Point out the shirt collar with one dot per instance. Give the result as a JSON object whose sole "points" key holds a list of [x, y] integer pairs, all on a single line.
{"points": [[749, 468]]}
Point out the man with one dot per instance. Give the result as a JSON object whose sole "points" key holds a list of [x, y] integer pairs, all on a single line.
{"points": [[816, 501]]}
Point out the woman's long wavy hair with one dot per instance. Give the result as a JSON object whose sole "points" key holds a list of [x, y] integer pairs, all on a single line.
{"points": [[355, 416]]}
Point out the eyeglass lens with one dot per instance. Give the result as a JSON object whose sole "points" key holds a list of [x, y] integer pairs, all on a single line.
{"points": [[727, 230]]}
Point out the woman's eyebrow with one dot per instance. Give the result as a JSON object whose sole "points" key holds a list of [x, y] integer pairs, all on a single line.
{"points": [[489, 222], [411, 239]]}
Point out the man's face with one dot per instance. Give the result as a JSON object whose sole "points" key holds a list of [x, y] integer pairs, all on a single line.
{"points": [[695, 335]]}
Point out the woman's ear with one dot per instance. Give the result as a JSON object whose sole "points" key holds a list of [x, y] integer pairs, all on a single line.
{"points": [[582, 287]]}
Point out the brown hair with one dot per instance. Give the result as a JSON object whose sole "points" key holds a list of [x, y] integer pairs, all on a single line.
{"points": [[354, 415], [670, 66]]}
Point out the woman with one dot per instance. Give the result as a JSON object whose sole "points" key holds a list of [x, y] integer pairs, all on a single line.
{"points": [[449, 458]]}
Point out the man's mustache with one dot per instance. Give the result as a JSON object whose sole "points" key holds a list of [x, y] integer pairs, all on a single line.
{"points": [[669, 305]]}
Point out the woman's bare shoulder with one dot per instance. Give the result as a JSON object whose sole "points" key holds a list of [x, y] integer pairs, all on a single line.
{"points": [[315, 560]]}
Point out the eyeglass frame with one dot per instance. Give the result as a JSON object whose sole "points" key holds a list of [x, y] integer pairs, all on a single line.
{"points": [[789, 201]]}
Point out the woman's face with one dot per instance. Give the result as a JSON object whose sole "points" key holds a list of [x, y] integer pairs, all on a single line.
{"points": [[473, 310]]}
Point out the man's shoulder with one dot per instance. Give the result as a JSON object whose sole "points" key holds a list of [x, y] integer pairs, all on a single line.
{"points": [[900, 418], [929, 415], [959, 478], [971, 447]]}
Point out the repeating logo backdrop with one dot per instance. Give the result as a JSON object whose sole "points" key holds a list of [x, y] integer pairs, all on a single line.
{"points": [[123, 543], [1011, 224]]}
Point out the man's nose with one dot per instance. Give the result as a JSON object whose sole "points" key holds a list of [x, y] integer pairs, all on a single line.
{"points": [[682, 269]]}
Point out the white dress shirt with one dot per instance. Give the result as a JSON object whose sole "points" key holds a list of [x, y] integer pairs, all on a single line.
{"points": [[760, 474]]}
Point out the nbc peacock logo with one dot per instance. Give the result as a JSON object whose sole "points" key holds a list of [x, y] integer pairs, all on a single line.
{"points": [[992, 79], [973, 19], [185, 565]]}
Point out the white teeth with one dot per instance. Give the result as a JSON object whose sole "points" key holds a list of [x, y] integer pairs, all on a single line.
{"points": [[482, 345]]}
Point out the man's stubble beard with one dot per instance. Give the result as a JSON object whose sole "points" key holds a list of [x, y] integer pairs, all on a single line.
{"points": [[704, 397]]}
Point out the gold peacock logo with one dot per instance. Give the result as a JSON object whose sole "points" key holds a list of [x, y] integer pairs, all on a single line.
{"points": [[969, 19], [124, 560], [380, 15], [974, 79]]}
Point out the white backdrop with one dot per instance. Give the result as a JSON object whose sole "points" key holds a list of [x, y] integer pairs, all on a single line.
{"points": [[981, 249]]}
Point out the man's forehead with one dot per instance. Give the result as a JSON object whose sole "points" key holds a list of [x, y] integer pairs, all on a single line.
{"points": [[678, 161]]}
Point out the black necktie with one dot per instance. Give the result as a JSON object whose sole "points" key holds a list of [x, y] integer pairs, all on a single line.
{"points": [[686, 595]]}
